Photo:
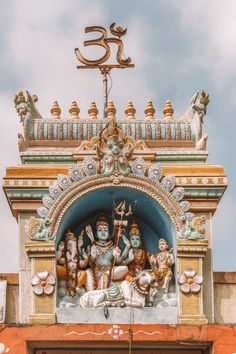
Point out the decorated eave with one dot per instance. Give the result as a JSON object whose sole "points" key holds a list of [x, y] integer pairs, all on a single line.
{"points": [[41, 143], [66, 140]]}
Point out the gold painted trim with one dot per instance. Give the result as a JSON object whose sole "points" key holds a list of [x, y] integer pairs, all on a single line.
{"points": [[38, 249], [52, 171]]}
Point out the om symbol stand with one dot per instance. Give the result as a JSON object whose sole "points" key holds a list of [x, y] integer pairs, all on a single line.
{"points": [[104, 41]]}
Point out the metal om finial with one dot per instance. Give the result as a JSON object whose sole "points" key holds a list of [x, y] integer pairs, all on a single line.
{"points": [[104, 41]]}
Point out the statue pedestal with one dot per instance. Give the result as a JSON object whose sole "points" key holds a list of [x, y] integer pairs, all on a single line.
{"points": [[42, 318], [190, 257]]}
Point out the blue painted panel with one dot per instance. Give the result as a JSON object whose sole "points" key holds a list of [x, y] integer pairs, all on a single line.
{"points": [[36, 125], [163, 131], [65, 131], [75, 131], [55, 131], [153, 221], [172, 131], [143, 131], [153, 128], [45, 131], [183, 131]]}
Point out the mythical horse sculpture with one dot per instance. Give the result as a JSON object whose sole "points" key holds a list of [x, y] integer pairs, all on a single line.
{"points": [[38, 229], [26, 109], [195, 114], [194, 228]]}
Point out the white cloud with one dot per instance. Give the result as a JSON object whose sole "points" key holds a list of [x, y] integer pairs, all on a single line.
{"points": [[213, 27]]}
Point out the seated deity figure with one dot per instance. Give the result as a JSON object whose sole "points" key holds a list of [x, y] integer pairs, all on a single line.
{"points": [[71, 260], [105, 258], [137, 255], [161, 264]]}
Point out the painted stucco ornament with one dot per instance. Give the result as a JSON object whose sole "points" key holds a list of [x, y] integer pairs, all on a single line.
{"points": [[139, 167], [38, 229], [115, 331], [26, 109], [195, 114], [113, 156], [155, 172], [190, 282], [194, 228], [43, 283]]}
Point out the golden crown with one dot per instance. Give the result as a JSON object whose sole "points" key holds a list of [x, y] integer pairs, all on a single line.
{"points": [[134, 229], [70, 236], [102, 220]]}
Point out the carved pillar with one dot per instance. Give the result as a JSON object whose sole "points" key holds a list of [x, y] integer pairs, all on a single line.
{"points": [[190, 260], [42, 257]]}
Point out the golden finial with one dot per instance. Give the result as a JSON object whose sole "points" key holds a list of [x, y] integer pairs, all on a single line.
{"points": [[55, 110], [93, 111], [130, 111], [149, 110], [74, 110], [168, 110], [111, 110]]}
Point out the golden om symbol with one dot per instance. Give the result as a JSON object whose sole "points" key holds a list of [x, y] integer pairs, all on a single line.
{"points": [[104, 42]]}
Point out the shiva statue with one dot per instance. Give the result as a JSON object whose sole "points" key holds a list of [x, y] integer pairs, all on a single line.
{"points": [[137, 255], [106, 258], [162, 263]]}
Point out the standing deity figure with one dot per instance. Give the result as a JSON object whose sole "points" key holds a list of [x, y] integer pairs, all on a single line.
{"points": [[105, 258], [71, 261], [137, 255], [161, 264]]}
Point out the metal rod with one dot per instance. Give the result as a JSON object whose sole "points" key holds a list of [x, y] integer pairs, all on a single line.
{"points": [[104, 71], [105, 93]]}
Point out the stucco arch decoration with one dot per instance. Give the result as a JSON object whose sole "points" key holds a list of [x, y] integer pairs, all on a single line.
{"points": [[85, 179], [77, 190]]}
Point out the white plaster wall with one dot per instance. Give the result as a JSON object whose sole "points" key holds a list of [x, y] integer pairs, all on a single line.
{"points": [[208, 293], [225, 303]]}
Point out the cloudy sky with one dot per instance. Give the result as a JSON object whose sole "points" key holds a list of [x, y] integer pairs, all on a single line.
{"points": [[178, 47]]}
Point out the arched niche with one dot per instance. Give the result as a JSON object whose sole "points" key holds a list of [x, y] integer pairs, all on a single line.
{"points": [[154, 222], [157, 214]]}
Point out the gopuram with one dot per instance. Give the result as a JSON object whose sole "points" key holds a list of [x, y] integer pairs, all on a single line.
{"points": [[115, 238]]}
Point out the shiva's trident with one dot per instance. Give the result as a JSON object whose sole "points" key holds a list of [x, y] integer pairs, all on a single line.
{"points": [[104, 41], [121, 211]]}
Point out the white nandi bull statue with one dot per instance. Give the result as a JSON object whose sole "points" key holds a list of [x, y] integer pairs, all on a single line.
{"points": [[195, 114], [134, 294]]}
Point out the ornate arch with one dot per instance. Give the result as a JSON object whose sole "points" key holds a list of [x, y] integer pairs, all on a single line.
{"points": [[78, 189]]}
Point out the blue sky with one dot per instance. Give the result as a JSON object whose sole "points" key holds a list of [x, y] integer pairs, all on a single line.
{"points": [[178, 47]]}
